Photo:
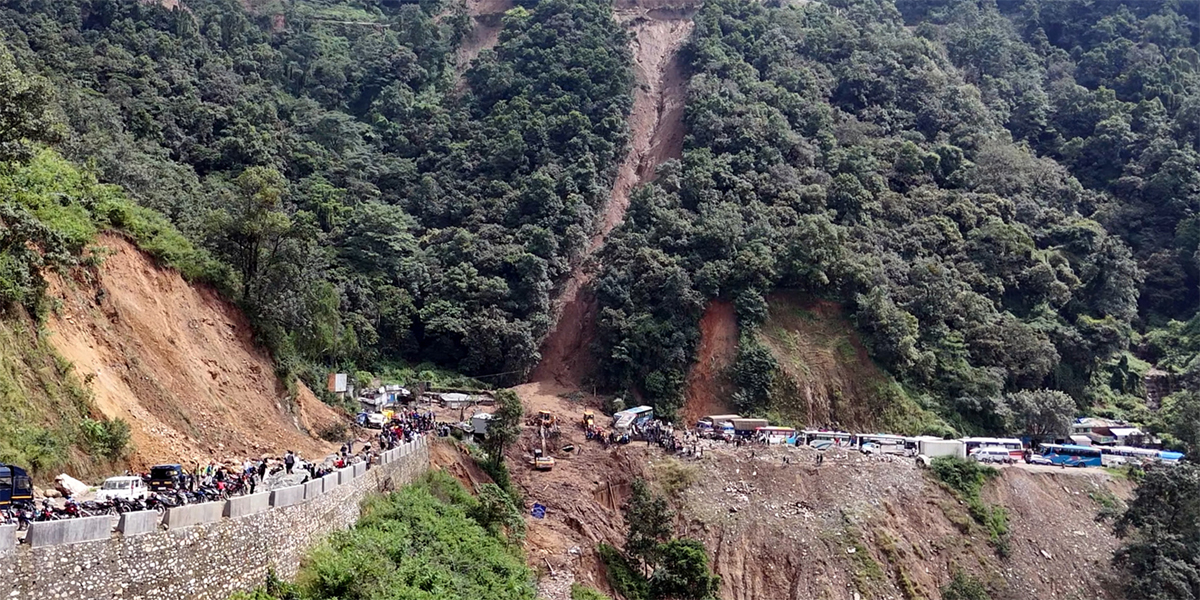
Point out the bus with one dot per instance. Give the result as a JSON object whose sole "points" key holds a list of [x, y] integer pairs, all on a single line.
{"points": [[839, 438], [1071, 455], [1118, 455], [776, 435], [1014, 446], [882, 443]]}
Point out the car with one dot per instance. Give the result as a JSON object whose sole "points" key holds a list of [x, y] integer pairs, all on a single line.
{"points": [[993, 454], [1038, 459], [124, 488], [164, 478], [869, 448], [376, 420]]}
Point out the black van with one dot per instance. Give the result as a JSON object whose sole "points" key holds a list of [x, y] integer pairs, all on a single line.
{"points": [[15, 485], [165, 478]]}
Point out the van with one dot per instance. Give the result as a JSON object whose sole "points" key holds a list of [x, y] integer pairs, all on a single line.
{"points": [[165, 478], [993, 454], [123, 488]]}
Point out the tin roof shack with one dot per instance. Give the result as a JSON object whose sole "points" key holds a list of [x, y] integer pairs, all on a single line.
{"points": [[745, 427], [455, 400]]}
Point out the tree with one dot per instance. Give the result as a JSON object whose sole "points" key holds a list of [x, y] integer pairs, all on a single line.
{"points": [[649, 521], [1181, 412], [505, 426], [683, 572], [1042, 413], [25, 116], [251, 229], [1161, 526]]}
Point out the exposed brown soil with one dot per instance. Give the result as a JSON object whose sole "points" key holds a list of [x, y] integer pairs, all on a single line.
{"points": [[179, 364], [829, 378], [485, 29], [709, 385], [852, 528], [656, 128], [450, 457]]}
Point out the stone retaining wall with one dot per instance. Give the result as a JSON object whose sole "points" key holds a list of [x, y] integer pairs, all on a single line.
{"points": [[207, 561]]}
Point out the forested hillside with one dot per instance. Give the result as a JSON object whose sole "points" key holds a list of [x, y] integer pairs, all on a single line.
{"points": [[907, 169], [360, 207]]}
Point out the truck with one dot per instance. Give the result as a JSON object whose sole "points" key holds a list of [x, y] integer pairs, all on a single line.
{"points": [[747, 427], [15, 485], [934, 447]]}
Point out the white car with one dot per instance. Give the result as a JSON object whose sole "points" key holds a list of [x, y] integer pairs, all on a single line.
{"points": [[992, 455], [125, 488], [1038, 459]]}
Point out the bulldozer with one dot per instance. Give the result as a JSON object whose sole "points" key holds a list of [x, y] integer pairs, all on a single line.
{"points": [[589, 419], [545, 419]]}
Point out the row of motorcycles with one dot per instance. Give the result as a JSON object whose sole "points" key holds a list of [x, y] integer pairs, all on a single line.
{"points": [[24, 513]]}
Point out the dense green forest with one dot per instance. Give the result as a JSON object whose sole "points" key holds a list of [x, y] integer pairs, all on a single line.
{"points": [[938, 173], [362, 204], [1003, 194]]}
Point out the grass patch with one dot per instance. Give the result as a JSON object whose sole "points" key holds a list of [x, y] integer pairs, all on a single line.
{"points": [[965, 478], [583, 592]]}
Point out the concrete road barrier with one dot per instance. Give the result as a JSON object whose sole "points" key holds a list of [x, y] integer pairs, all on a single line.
{"points": [[313, 489], [331, 481], [139, 522], [247, 505], [287, 496], [345, 475], [69, 531], [194, 514], [8, 539], [359, 469]]}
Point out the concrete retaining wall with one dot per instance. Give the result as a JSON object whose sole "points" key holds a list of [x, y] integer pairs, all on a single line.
{"points": [[139, 523], [194, 514], [8, 539], [345, 476], [359, 469], [70, 531], [313, 489], [331, 482], [207, 561], [247, 505], [287, 496]]}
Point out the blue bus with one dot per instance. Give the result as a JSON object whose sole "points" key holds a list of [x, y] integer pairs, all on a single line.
{"points": [[1072, 456]]}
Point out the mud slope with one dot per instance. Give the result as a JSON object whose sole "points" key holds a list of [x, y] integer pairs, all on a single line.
{"points": [[485, 30], [177, 363], [850, 529], [656, 128], [709, 386]]}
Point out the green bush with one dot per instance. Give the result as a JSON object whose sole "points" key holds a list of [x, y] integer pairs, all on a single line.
{"points": [[109, 437], [623, 576], [963, 586], [582, 592]]}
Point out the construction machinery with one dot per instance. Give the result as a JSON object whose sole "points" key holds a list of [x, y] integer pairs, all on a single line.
{"points": [[589, 419], [541, 462], [545, 419]]}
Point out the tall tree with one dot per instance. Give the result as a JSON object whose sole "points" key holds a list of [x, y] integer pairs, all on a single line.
{"points": [[25, 112]]}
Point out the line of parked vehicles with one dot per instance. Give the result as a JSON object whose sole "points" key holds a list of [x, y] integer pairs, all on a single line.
{"points": [[163, 488], [989, 450]]}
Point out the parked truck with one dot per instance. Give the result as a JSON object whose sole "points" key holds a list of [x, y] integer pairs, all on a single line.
{"points": [[935, 447]]}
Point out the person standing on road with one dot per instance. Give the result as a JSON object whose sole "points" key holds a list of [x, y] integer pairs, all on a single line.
{"points": [[289, 460]]}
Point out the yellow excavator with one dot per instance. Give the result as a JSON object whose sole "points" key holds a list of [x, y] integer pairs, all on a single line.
{"points": [[589, 419], [541, 462]]}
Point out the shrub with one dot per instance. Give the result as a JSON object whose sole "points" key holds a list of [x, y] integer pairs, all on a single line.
{"points": [[963, 586], [622, 576], [582, 592]]}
